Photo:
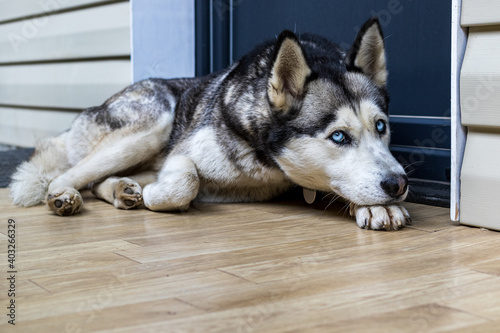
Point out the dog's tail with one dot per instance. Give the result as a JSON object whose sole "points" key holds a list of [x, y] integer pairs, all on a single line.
{"points": [[30, 182]]}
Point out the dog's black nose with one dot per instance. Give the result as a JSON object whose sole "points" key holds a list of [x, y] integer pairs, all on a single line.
{"points": [[395, 185]]}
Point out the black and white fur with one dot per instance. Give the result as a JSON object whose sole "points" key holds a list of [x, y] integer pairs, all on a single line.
{"points": [[295, 111]]}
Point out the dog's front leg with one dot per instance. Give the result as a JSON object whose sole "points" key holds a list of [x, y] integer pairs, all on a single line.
{"points": [[176, 187], [390, 217]]}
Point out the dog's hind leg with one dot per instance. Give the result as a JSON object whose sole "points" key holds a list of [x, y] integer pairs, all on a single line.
{"points": [[124, 192], [116, 152], [177, 185]]}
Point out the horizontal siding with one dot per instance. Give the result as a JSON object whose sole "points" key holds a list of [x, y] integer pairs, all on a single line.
{"points": [[16, 9], [24, 127], [58, 57], [63, 85], [480, 78], [95, 32], [480, 103], [480, 12]]}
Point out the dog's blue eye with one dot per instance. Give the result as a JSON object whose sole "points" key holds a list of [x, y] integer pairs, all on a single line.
{"points": [[338, 137], [381, 126]]}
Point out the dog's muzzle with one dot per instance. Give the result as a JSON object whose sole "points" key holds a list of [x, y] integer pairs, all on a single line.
{"points": [[395, 185]]}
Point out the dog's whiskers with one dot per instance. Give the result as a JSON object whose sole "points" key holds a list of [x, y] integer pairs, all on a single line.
{"points": [[410, 165], [346, 208], [328, 194], [334, 198], [409, 173]]}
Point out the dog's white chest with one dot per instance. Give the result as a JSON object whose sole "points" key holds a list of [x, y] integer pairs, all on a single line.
{"points": [[223, 174]]}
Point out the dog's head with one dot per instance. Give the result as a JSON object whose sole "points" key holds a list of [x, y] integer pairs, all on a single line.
{"points": [[330, 113]]}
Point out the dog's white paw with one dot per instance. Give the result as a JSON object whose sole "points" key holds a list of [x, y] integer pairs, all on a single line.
{"points": [[65, 201], [391, 217], [127, 194]]}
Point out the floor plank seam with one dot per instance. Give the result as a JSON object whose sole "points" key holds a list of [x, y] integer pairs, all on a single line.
{"points": [[36, 284], [483, 272], [132, 242], [236, 276], [190, 304], [465, 312], [413, 227], [124, 256]]}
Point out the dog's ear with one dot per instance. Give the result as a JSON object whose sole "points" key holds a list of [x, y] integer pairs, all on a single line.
{"points": [[289, 72], [368, 52]]}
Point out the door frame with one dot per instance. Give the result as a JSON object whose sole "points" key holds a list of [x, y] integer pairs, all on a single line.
{"points": [[458, 132]]}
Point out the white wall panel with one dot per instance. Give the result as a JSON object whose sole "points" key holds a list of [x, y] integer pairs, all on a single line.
{"points": [[480, 12], [64, 85], [480, 78], [14, 9], [24, 127], [95, 32]]}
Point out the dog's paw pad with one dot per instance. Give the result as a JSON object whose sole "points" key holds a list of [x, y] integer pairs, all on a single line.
{"points": [[65, 202], [392, 217], [127, 194]]}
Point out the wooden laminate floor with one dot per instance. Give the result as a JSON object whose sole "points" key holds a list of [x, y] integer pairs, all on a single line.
{"points": [[266, 267]]}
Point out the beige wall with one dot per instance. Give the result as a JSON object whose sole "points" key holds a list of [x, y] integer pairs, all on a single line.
{"points": [[56, 58], [480, 107]]}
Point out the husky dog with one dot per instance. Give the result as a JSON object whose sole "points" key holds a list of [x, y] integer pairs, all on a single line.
{"points": [[295, 111]]}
